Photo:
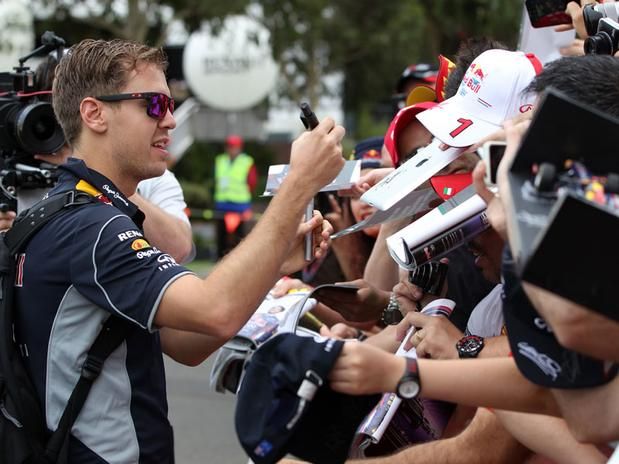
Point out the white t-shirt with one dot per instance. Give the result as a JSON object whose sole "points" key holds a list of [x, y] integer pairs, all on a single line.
{"points": [[486, 320], [165, 192]]}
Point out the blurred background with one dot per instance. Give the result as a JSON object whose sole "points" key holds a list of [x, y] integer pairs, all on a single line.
{"points": [[242, 66]]}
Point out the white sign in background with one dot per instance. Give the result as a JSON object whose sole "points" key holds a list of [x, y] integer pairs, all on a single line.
{"points": [[232, 69]]}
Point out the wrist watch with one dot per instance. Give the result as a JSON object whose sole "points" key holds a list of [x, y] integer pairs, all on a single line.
{"points": [[391, 314], [469, 346], [409, 385]]}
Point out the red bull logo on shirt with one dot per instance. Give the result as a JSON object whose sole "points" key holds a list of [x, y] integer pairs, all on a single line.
{"points": [[139, 244]]}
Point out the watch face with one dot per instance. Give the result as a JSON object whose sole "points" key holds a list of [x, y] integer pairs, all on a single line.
{"points": [[470, 346], [408, 389]]}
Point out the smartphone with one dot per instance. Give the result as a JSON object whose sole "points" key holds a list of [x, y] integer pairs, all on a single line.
{"points": [[544, 13], [491, 154], [333, 290]]}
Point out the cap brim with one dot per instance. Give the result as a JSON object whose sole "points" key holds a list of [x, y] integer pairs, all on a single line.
{"points": [[454, 126], [401, 120]]}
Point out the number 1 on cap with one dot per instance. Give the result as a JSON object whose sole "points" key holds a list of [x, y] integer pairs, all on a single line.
{"points": [[464, 123]]}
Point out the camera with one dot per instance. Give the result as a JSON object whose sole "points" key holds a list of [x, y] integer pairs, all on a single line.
{"points": [[592, 13], [563, 207], [28, 127], [606, 40]]}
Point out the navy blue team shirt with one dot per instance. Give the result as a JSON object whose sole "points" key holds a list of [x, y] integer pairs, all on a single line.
{"points": [[77, 271]]}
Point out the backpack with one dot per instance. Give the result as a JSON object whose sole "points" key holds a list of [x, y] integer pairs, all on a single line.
{"points": [[24, 438]]}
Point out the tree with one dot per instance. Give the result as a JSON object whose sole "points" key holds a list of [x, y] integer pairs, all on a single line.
{"points": [[369, 42], [140, 20]]}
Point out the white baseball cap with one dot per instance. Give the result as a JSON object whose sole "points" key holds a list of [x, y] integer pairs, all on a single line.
{"points": [[491, 92]]}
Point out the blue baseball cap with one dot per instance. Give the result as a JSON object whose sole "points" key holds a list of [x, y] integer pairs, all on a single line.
{"points": [[285, 404]]}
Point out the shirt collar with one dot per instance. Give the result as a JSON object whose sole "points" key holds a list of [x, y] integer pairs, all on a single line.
{"points": [[106, 191]]}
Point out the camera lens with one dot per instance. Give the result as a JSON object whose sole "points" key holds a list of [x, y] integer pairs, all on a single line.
{"points": [[37, 130], [599, 44]]}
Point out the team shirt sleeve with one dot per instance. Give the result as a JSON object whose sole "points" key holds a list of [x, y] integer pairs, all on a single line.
{"points": [[118, 270]]}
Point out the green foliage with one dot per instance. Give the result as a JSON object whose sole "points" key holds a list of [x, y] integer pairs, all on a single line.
{"points": [[369, 42], [143, 21], [197, 194]]}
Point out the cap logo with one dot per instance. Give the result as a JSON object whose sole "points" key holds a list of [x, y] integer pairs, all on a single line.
{"points": [[474, 77], [547, 365], [525, 108]]}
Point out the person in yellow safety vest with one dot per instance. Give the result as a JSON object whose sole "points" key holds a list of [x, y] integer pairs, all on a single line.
{"points": [[235, 180]]}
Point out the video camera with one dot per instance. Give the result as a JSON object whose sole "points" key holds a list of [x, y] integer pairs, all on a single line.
{"points": [[594, 12], [564, 205], [606, 40], [28, 126]]}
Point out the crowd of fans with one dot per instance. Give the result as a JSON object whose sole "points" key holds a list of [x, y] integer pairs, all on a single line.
{"points": [[529, 375]]}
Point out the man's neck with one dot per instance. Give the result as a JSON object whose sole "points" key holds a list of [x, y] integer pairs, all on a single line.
{"points": [[98, 163]]}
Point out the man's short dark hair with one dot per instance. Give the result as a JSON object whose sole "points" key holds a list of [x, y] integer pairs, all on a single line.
{"points": [[468, 51], [590, 79]]}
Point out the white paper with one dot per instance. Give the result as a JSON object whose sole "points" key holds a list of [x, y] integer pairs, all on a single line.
{"points": [[347, 177], [408, 206], [544, 42], [400, 183]]}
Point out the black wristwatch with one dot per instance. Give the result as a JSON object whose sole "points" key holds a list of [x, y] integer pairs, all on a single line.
{"points": [[391, 314], [409, 385], [469, 346]]}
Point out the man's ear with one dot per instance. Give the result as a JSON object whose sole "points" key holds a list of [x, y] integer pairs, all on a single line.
{"points": [[93, 115]]}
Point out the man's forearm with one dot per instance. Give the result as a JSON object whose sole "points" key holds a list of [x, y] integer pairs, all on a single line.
{"points": [[188, 348], [495, 347], [592, 414], [242, 279], [492, 382], [381, 271]]}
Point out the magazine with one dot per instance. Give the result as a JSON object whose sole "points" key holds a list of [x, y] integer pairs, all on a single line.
{"points": [[271, 317], [438, 247], [458, 209], [411, 421]]}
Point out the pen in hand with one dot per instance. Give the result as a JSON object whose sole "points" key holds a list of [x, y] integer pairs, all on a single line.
{"points": [[310, 121]]}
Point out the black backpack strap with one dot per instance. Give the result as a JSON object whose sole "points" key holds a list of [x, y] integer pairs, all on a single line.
{"points": [[112, 334], [31, 220], [114, 331]]}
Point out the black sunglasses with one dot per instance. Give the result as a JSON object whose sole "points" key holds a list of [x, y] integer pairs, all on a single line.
{"points": [[157, 104]]}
